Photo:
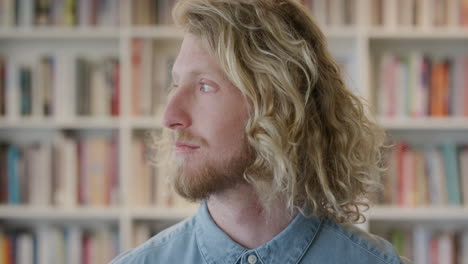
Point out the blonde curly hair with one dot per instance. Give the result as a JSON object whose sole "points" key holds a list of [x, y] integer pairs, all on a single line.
{"points": [[313, 143]]}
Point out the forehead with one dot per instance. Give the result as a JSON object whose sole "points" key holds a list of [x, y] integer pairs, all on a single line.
{"points": [[194, 58]]}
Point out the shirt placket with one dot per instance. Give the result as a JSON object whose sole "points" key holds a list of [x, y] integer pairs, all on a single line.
{"points": [[249, 257]]}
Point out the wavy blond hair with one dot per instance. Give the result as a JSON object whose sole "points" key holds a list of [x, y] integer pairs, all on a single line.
{"points": [[313, 143]]}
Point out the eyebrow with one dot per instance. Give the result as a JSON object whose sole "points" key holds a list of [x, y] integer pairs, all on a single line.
{"points": [[191, 73]]}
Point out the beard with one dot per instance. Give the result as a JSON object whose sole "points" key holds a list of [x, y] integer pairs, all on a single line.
{"points": [[210, 177]]}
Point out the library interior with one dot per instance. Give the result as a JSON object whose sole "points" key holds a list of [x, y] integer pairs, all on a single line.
{"points": [[83, 86]]}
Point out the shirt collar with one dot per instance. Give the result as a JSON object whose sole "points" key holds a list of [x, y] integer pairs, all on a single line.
{"points": [[289, 246]]}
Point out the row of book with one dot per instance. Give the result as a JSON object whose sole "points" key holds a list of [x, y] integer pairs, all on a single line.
{"points": [[426, 245], [87, 13], [419, 13], [326, 12], [427, 175], [151, 12], [151, 71], [418, 85], [59, 86], [149, 185], [332, 12], [57, 244], [97, 87], [70, 172]]}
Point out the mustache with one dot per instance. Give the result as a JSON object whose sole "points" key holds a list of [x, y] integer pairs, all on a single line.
{"points": [[184, 136]]}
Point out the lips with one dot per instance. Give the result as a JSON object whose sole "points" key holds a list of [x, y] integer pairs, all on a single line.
{"points": [[185, 146]]}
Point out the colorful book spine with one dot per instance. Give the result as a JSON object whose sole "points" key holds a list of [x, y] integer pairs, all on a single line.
{"points": [[425, 244], [58, 244], [426, 175], [13, 178], [416, 85], [25, 13], [452, 173]]}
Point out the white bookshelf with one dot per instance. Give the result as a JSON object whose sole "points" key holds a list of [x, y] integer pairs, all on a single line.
{"points": [[452, 33], [60, 33], [432, 124], [32, 213], [155, 213], [418, 214], [359, 42]]}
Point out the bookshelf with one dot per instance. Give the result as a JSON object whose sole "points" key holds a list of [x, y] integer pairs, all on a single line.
{"points": [[357, 39]]}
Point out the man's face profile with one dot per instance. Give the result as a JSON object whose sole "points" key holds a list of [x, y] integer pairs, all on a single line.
{"points": [[206, 114]]}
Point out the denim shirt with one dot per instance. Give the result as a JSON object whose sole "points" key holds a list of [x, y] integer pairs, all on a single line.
{"points": [[198, 240]]}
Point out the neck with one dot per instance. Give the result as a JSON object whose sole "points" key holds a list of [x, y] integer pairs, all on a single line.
{"points": [[239, 214]]}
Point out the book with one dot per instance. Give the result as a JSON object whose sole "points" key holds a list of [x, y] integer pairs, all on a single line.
{"points": [[465, 86], [440, 17], [46, 87], [4, 186], [463, 257], [3, 92], [13, 180], [31, 86], [464, 13], [84, 13], [3, 249], [25, 83], [26, 13], [97, 170], [425, 244], [96, 93], [452, 173], [67, 173], [70, 13], [421, 245], [420, 189], [25, 248], [420, 175], [407, 178], [43, 12], [417, 85], [446, 247], [137, 47], [115, 98], [463, 161]]}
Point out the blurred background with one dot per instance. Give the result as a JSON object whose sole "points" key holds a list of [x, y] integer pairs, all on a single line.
{"points": [[82, 84]]}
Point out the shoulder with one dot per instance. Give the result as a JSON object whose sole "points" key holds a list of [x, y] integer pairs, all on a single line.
{"points": [[353, 242], [161, 246]]}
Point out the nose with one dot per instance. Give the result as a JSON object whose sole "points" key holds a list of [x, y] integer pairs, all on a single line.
{"points": [[176, 114]]}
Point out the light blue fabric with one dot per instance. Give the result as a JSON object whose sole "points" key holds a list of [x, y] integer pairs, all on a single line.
{"points": [[198, 240]]}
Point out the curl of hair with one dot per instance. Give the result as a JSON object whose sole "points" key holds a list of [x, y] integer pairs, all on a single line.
{"points": [[314, 144]]}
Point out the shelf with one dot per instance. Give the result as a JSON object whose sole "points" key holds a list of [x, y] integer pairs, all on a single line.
{"points": [[389, 213], [447, 124], [75, 123], [60, 33], [411, 33], [146, 123], [158, 213], [21, 212], [172, 32], [90, 123], [157, 32]]}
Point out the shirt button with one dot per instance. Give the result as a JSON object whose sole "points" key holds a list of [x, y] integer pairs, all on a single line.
{"points": [[252, 259]]}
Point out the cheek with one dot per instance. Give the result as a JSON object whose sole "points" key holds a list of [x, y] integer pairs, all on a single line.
{"points": [[225, 125]]}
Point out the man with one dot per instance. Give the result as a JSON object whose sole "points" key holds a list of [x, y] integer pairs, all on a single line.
{"points": [[262, 130]]}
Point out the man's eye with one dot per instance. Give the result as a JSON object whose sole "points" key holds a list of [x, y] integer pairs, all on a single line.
{"points": [[206, 87]]}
